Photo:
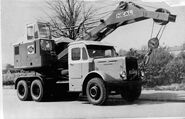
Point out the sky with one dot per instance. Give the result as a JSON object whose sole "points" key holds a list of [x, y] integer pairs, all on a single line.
{"points": [[15, 14]]}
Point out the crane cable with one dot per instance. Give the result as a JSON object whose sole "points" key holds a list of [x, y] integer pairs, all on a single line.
{"points": [[160, 32], [147, 55]]}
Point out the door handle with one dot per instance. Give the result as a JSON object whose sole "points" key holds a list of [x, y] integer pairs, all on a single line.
{"points": [[71, 64]]}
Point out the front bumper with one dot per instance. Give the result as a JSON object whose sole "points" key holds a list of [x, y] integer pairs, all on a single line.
{"points": [[124, 83]]}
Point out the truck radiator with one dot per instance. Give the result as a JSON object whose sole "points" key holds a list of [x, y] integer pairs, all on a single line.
{"points": [[132, 68]]}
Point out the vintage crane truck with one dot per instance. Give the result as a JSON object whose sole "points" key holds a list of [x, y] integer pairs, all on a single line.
{"points": [[86, 65]]}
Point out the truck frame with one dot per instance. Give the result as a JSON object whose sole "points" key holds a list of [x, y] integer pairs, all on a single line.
{"points": [[86, 65]]}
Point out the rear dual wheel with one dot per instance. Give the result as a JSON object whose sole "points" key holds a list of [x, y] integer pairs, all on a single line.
{"points": [[23, 91], [37, 90]]}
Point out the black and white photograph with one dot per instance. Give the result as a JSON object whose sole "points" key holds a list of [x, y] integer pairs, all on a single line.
{"points": [[68, 59]]}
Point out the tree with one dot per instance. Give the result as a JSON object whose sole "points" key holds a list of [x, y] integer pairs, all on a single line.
{"points": [[122, 52], [69, 18]]}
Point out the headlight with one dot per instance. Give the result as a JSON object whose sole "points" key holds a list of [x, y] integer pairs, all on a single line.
{"points": [[46, 45], [142, 73], [123, 75]]}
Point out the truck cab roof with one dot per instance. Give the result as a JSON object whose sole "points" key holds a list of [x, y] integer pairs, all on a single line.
{"points": [[90, 43]]}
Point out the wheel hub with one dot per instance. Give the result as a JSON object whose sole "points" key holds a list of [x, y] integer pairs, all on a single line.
{"points": [[94, 92], [36, 90], [21, 90]]}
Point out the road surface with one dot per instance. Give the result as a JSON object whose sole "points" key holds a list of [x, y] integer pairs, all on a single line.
{"points": [[64, 108]]}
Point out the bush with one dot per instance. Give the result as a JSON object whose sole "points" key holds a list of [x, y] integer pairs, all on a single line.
{"points": [[156, 67], [172, 87], [8, 79], [175, 70], [155, 70]]}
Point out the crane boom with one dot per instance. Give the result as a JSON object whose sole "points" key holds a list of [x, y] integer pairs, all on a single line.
{"points": [[125, 13], [131, 13]]}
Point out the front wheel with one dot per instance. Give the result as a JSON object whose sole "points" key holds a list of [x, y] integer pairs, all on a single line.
{"points": [[37, 91], [131, 92], [96, 91], [23, 92]]}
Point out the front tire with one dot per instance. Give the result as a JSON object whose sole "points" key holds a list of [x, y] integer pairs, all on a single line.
{"points": [[37, 90], [23, 92], [131, 92], [96, 91]]}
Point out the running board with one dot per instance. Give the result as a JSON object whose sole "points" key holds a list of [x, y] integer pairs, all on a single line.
{"points": [[62, 82]]}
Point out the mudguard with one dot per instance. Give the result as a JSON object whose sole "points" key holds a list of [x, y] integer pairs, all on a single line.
{"points": [[106, 78]]}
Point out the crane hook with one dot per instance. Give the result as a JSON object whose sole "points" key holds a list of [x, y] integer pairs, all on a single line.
{"points": [[153, 43]]}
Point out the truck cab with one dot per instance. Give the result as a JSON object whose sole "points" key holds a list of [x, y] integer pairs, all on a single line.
{"points": [[93, 60], [81, 57]]}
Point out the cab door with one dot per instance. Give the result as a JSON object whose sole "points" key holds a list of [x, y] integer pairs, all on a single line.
{"points": [[75, 67]]}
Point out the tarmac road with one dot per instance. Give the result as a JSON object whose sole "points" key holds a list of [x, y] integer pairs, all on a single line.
{"points": [[64, 108]]}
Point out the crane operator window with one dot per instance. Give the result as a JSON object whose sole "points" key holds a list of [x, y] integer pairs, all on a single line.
{"points": [[30, 33], [44, 31]]}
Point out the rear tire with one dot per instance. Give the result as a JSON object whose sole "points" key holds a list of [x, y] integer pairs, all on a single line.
{"points": [[23, 91], [96, 91], [37, 90], [131, 92]]}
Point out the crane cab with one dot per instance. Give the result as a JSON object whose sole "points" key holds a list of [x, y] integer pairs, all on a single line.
{"points": [[37, 50], [38, 30]]}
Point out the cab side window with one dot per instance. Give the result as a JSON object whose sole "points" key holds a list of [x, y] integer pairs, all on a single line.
{"points": [[84, 54], [16, 50], [75, 54]]}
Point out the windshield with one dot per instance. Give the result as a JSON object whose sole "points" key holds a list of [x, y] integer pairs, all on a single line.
{"points": [[97, 51], [44, 31]]}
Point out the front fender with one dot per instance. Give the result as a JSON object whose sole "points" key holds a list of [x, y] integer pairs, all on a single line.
{"points": [[105, 77], [93, 74]]}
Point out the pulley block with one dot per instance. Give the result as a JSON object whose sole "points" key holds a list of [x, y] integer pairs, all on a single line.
{"points": [[161, 22], [123, 5]]}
